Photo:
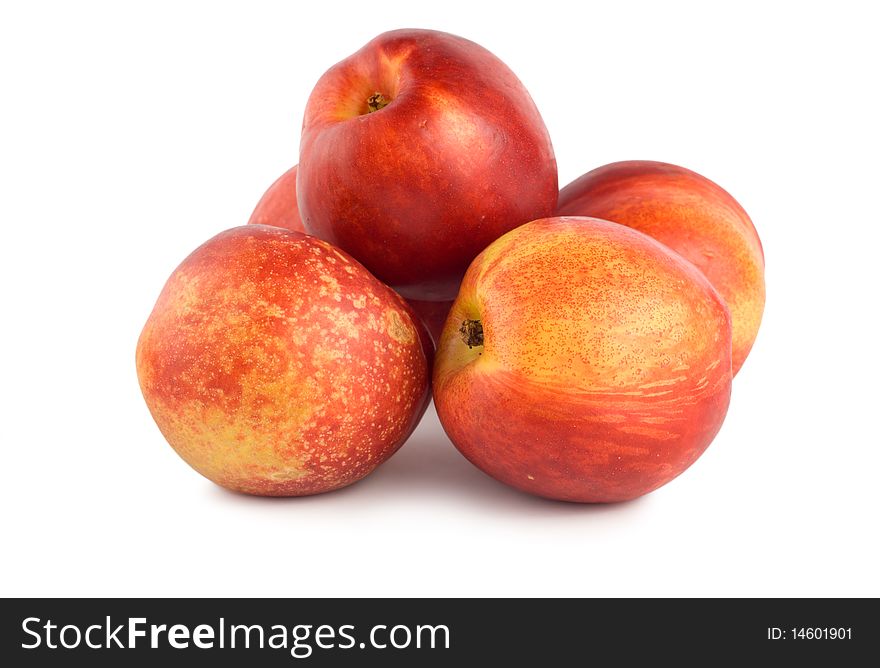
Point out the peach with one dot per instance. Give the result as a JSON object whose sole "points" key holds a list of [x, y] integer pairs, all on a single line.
{"points": [[691, 215], [275, 364], [583, 361]]}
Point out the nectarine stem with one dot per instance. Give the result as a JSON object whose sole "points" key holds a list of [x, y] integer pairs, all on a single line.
{"points": [[472, 333], [376, 101]]}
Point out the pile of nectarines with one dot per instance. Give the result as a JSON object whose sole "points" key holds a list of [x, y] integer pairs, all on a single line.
{"points": [[585, 340]]}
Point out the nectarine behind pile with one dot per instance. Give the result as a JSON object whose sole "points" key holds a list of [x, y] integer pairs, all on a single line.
{"points": [[278, 206]]}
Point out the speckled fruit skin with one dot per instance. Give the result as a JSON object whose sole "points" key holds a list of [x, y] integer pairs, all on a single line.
{"points": [[278, 205], [417, 188], [433, 315], [276, 365], [691, 215], [605, 365]]}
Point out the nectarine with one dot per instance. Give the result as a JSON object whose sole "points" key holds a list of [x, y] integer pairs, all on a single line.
{"points": [[416, 153], [691, 215], [278, 205], [583, 361], [275, 364]]}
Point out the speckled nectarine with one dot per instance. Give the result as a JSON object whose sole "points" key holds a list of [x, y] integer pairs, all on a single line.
{"points": [[583, 361], [691, 215], [275, 364]]}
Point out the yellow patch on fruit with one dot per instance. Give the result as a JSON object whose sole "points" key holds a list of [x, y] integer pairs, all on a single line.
{"points": [[398, 330]]}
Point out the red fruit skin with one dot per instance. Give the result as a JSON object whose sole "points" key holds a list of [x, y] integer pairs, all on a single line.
{"points": [[415, 190], [278, 205], [605, 366], [276, 365], [433, 315], [691, 215]]}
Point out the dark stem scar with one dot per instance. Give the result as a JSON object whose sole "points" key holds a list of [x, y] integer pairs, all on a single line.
{"points": [[472, 333], [376, 101]]}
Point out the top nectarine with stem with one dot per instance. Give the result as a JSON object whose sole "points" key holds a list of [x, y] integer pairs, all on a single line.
{"points": [[416, 153]]}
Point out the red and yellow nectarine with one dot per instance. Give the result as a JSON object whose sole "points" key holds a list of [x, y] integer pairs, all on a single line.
{"points": [[691, 215], [583, 361], [275, 364]]}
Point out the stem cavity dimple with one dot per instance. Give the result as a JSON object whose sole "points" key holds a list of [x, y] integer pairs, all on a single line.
{"points": [[472, 333], [376, 101]]}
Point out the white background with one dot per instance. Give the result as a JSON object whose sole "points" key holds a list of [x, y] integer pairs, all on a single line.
{"points": [[129, 136]]}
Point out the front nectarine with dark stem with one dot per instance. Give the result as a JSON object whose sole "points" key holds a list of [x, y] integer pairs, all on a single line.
{"points": [[583, 361]]}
